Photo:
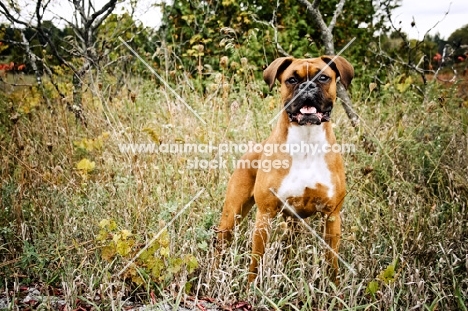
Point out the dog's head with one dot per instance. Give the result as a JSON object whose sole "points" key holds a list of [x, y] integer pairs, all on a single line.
{"points": [[308, 86]]}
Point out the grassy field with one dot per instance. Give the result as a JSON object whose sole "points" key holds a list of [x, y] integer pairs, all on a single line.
{"points": [[75, 209]]}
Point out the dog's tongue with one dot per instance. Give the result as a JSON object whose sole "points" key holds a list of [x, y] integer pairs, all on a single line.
{"points": [[306, 109]]}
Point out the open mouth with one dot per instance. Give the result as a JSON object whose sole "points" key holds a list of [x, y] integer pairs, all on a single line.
{"points": [[309, 115]]}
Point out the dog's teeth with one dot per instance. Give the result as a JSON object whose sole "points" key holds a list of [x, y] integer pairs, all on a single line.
{"points": [[308, 110]]}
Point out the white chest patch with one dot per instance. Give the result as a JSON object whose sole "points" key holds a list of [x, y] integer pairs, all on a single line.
{"points": [[308, 167]]}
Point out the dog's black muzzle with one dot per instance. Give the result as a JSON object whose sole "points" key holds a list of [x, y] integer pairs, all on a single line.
{"points": [[308, 105]]}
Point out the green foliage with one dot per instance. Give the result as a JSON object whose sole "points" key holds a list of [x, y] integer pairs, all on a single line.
{"points": [[388, 274], [3, 46], [460, 35], [413, 51], [135, 34], [17, 54], [158, 263], [372, 287], [92, 144], [239, 30], [406, 198], [385, 277], [459, 41], [404, 218]]}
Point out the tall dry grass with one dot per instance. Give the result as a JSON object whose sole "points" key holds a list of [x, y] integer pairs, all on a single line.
{"points": [[404, 217]]}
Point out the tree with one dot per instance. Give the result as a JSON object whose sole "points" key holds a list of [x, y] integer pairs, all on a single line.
{"points": [[85, 23], [248, 28], [326, 34], [459, 36], [202, 32], [427, 56], [115, 57], [459, 41]]}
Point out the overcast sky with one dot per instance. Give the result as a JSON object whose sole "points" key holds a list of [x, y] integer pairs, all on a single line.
{"points": [[426, 14]]}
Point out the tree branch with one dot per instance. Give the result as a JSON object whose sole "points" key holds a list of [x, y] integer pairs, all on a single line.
{"points": [[272, 24], [32, 58], [5, 11], [99, 21], [338, 11], [107, 9], [347, 103], [325, 33], [327, 40]]}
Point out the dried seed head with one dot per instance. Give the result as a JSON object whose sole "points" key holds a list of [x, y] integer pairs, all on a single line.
{"points": [[234, 65], [244, 62], [132, 97], [224, 62]]}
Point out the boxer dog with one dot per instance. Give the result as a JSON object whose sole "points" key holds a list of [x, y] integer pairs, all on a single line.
{"points": [[309, 180]]}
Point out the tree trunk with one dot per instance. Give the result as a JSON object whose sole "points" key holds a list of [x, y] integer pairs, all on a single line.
{"points": [[327, 40], [347, 104], [77, 91], [76, 108], [32, 59]]}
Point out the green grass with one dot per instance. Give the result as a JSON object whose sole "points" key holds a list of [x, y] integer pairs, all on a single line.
{"points": [[406, 201]]}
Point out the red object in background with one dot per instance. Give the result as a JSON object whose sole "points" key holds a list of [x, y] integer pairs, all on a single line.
{"points": [[437, 57], [11, 66], [7, 67]]}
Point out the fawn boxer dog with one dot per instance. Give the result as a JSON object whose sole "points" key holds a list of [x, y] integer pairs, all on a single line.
{"points": [[308, 180]]}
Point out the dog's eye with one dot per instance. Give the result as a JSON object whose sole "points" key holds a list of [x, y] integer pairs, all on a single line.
{"points": [[292, 80], [323, 78]]}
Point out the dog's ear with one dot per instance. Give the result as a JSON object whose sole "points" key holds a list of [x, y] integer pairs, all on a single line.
{"points": [[275, 69], [342, 68]]}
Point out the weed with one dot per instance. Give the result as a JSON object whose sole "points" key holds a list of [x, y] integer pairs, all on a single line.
{"points": [[75, 209]]}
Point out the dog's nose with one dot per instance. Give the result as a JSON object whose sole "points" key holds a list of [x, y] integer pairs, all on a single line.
{"points": [[308, 86]]}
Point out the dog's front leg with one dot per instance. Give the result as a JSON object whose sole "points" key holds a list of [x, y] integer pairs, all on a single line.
{"points": [[260, 238], [239, 198], [332, 237]]}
